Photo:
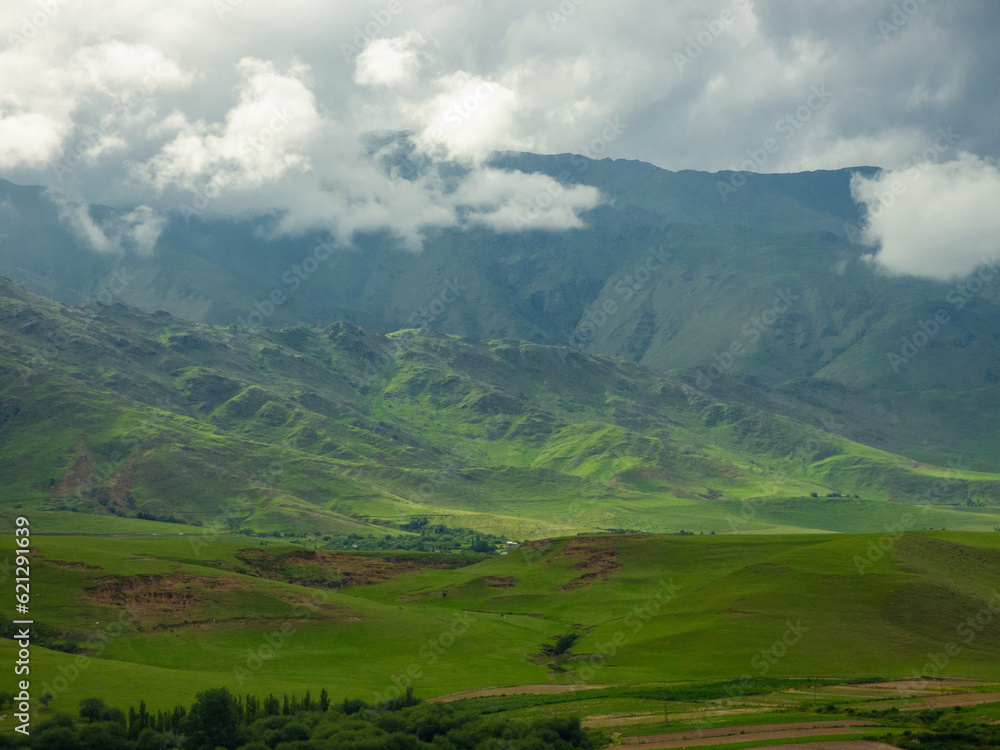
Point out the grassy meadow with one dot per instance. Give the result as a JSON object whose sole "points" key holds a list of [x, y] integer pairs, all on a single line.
{"points": [[160, 615]]}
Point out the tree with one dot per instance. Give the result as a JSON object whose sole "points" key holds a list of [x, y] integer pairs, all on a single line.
{"points": [[271, 706], [59, 738], [213, 721], [45, 700], [92, 709], [103, 736], [177, 718], [324, 700], [115, 715]]}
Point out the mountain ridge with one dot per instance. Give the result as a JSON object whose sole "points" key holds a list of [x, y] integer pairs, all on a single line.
{"points": [[341, 429]]}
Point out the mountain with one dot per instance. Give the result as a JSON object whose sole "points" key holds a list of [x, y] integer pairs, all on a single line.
{"points": [[340, 429], [757, 291]]}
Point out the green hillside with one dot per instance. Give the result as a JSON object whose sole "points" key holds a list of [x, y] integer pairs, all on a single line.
{"points": [[665, 273], [761, 296], [160, 612], [327, 431]]}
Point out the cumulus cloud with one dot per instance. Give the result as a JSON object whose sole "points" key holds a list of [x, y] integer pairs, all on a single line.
{"points": [[468, 116], [508, 201], [389, 62], [29, 138], [262, 137], [52, 105], [136, 231], [933, 220], [176, 103]]}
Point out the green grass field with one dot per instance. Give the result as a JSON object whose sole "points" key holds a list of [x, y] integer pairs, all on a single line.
{"points": [[338, 430], [160, 617]]}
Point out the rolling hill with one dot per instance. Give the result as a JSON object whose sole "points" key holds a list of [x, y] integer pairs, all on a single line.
{"points": [[163, 620], [763, 294], [106, 409]]}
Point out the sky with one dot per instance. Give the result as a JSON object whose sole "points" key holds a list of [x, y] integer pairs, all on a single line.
{"points": [[258, 108]]}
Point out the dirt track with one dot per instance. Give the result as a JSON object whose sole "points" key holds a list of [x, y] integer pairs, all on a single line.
{"points": [[844, 745], [962, 699], [725, 735], [515, 690], [650, 717]]}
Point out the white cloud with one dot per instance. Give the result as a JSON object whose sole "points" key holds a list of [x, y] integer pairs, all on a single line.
{"points": [[933, 220], [263, 136], [30, 138], [470, 116], [389, 62], [175, 93], [509, 201], [50, 98], [136, 231]]}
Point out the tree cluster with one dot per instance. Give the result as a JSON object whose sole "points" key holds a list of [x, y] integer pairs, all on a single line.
{"points": [[217, 719], [424, 537]]}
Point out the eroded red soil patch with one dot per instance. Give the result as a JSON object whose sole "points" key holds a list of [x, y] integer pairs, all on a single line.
{"points": [[333, 570], [597, 561], [500, 582], [79, 475], [167, 594]]}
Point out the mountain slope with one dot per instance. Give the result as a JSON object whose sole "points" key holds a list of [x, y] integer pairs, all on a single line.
{"points": [[666, 273], [107, 409]]}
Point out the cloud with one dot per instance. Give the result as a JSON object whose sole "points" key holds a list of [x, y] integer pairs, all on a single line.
{"points": [[469, 116], [389, 62], [52, 105], [29, 138], [136, 231], [170, 103], [933, 220], [507, 201], [263, 136]]}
